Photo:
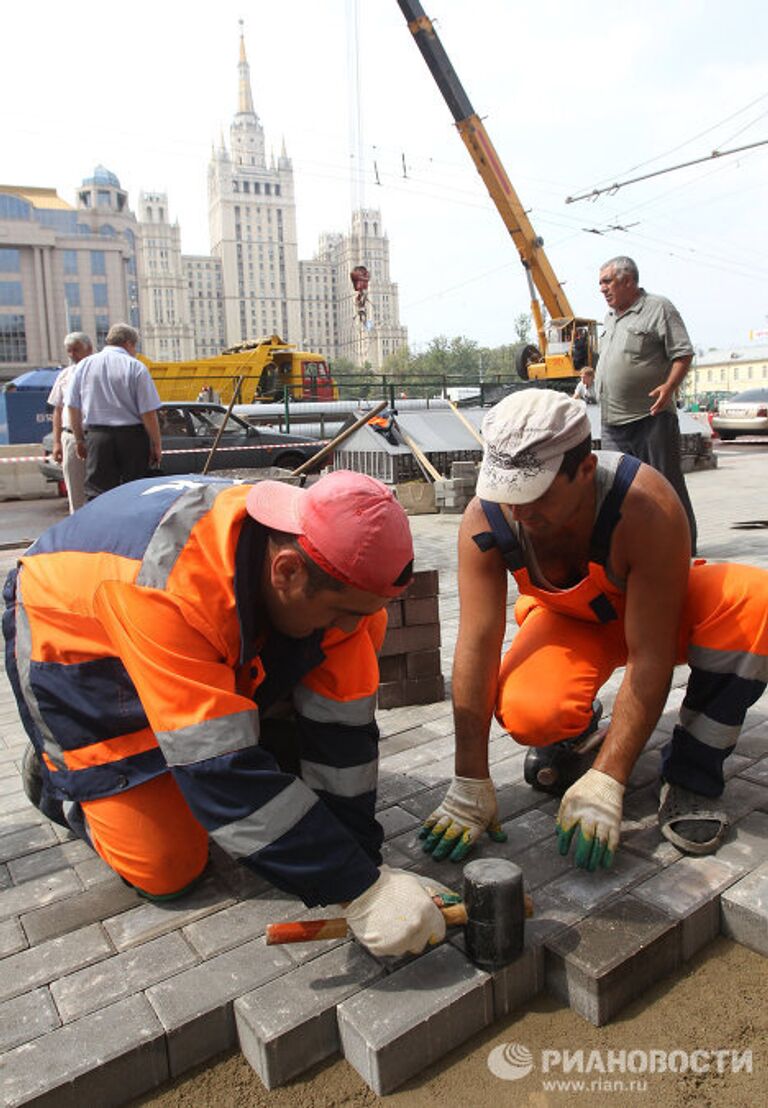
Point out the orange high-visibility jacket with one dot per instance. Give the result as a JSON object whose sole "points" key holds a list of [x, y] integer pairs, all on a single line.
{"points": [[137, 643]]}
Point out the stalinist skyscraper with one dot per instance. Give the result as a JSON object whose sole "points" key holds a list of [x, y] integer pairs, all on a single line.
{"points": [[252, 219]]}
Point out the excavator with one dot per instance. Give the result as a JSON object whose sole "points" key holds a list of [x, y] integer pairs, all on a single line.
{"points": [[566, 343]]}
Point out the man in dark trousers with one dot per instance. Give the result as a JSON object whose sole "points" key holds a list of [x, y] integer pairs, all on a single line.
{"points": [[112, 404]]}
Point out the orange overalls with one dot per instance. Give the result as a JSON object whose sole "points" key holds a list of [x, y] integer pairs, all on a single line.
{"points": [[571, 640]]}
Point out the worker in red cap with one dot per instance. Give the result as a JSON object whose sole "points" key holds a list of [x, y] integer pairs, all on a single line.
{"points": [[197, 659]]}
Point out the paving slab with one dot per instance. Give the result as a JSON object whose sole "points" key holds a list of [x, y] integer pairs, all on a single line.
{"points": [[131, 972], [110, 1057], [744, 910], [690, 891], [46, 961], [26, 1017], [612, 956], [195, 1007], [290, 1024], [403, 1023]]}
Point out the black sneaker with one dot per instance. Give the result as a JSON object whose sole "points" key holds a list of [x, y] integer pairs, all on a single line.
{"points": [[554, 768]]}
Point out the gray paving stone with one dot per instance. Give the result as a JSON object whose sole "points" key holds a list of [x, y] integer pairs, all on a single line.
{"points": [[98, 986], [5, 877], [519, 981], [602, 963], [744, 910], [550, 916], [290, 1024], [405, 1022], [89, 906], [757, 771], [195, 1007], [33, 837], [94, 871], [55, 858], [753, 741], [25, 1018], [17, 899], [110, 1057], [240, 923], [541, 864], [690, 891], [47, 961], [746, 843], [742, 796], [592, 889], [149, 921], [393, 788], [395, 820], [12, 937]]}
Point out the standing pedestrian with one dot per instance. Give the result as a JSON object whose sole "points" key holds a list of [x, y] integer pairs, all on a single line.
{"points": [[78, 346], [645, 354]]}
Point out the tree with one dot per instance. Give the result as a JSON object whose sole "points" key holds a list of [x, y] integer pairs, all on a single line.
{"points": [[523, 326]]}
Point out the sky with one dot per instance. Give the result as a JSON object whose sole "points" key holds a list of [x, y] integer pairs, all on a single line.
{"points": [[573, 96]]}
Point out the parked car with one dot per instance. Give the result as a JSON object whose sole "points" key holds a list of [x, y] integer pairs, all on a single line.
{"points": [[746, 413], [188, 431]]}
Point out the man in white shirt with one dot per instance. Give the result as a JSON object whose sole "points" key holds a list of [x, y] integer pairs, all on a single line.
{"points": [[112, 404], [78, 346]]}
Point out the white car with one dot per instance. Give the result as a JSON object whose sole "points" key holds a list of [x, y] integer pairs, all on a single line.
{"points": [[746, 413]]}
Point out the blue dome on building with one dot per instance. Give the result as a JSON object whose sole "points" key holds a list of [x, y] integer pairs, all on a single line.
{"points": [[102, 176]]}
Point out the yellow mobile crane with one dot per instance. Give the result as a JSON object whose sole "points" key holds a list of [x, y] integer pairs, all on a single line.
{"points": [[567, 343]]}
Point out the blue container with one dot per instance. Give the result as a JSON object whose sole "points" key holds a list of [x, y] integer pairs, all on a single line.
{"points": [[24, 412]]}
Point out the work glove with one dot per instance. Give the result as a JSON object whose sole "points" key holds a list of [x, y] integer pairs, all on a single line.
{"points": [[593, 805], [469, 809], [397, 915]]}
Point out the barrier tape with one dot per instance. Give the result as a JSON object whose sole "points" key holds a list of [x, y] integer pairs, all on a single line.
{"points": [[187, 450]]}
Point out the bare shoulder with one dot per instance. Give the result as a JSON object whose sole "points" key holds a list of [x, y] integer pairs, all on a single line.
{"points": [[472, 559], [653, 523]]}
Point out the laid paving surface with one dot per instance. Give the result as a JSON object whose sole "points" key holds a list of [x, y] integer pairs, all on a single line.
{"points": [[103, 996]]}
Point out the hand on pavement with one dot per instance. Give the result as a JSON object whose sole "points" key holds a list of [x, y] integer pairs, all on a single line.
{"points": [[397, 915], [469, 809], [593, 807]]}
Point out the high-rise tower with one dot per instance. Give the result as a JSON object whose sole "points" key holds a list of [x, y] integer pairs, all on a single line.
{"points": [[252, 218]]}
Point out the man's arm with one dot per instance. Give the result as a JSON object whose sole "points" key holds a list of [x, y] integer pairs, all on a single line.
{"points": [[653, 553], [658, 544], [675, 378], [76, 423], [152, 425], [57, 452], [469, 807], [482, 621]]}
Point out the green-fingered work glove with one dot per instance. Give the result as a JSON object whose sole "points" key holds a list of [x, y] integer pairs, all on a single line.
{"points": [[469, 809], [593, 806]]}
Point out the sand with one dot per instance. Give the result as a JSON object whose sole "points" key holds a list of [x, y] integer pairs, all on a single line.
{"points": [[717, 1001]]}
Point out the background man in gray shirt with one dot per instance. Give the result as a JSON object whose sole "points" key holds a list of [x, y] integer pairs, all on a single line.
{"points": [[645, 353]]}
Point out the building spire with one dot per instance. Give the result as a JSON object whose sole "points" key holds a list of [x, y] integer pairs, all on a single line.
{"points": [[245, 98]]}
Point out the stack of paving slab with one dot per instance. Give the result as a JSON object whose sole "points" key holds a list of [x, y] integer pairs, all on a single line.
{"points": [[103, 996], [409, 664], [452, 494]]}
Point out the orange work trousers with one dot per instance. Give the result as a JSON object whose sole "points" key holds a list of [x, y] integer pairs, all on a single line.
{"points": [[149, 836], [557, 662]]}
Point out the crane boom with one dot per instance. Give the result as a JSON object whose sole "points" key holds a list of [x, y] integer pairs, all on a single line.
{"points": [[488, 164]]}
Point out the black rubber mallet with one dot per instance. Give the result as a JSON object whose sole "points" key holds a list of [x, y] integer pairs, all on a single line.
{"points": [[496, 909]]}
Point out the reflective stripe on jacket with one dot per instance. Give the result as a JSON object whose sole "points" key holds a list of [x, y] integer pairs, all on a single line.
{"points": [[140, 643]]}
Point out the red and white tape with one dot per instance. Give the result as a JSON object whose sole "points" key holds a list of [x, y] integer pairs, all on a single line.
{"points": [[186, 450]]}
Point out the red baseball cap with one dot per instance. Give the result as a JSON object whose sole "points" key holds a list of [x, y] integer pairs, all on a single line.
{"points": [[349, 524]]}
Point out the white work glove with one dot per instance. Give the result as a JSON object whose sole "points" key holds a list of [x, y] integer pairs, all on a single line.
{"points": [[468, 809], [593, 805], [397, 915]]}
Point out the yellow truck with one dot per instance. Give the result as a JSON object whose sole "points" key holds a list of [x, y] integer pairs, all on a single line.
{"points": [[268, 367]]}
